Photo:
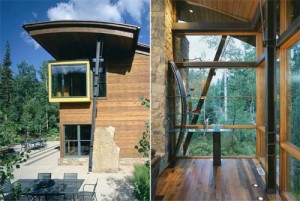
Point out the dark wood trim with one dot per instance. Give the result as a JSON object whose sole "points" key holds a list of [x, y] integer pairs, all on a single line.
{"points": [[290, 31], [256, 22], [270, 84], [210, 26], [217, 64], [260, 60], [179, 81]]}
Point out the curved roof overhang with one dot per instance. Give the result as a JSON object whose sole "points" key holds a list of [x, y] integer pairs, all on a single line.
{"points": [[69, 40]]}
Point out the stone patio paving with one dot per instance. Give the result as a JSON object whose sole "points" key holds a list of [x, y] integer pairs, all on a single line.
{"points": [[111, 186]]}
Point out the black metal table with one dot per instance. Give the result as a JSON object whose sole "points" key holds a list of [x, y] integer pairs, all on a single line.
{"points": [[216, 141], [56, 187]]}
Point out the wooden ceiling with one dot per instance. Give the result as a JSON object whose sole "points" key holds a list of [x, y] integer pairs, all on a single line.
{"points": [[217, 10], [69, 40]]}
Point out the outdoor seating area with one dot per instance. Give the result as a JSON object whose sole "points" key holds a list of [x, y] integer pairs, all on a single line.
{"points": [[47, 180], [46, 188]]}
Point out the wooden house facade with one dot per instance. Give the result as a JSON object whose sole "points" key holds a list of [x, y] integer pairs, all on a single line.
{"points": [[124, 79]]}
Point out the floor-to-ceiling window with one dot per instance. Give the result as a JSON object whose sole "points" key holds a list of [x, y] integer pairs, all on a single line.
{"points": [[77, 140]]}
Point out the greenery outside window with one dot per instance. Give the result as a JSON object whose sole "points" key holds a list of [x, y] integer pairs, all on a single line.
{"points": [[77, 139], [293, 177], [239, 142], [204, 47], [69, 81], [293, 61]]}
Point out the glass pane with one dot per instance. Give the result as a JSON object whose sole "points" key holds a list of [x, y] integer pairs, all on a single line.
{"points": [[239, 142], [85, 132], [196, 48], [239, 48], [293, 58], [293, 177], [102, 82], [71, 143], [71, 132], [71, 148], [201, 145], [204, 48], [69, 80], [231, 97], [85, 148]]}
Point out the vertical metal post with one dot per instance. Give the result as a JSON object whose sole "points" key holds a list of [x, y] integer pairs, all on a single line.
{"points": [[270, 96], [95, 95]]}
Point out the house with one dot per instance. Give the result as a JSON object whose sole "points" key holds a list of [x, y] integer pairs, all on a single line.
{"points": [[235, 63], [124, 76]]}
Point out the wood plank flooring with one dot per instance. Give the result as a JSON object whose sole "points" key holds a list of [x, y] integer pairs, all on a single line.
{"points": [[197, 179]]}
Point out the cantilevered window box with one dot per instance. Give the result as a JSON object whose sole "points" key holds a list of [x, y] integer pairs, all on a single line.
{"points": [[69, 81]]}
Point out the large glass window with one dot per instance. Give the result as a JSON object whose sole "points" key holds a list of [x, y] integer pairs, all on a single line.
{"points": [[293, 177], [230, 100], [204, 48], [69, 81], [238, 142], [293, 61], [77, 140]]}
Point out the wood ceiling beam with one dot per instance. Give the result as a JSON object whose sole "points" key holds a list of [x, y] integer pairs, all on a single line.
{"points": [[212, 26], [217, 64], [195, 3], [256, 22]]}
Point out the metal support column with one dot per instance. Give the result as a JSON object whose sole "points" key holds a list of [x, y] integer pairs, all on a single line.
{"points": [[95, 96], [270, 82]]}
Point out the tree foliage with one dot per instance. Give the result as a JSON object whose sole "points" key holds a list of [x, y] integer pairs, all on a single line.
{"points": [[231, 100], [24, 109], [6, 83], [294, 118]]}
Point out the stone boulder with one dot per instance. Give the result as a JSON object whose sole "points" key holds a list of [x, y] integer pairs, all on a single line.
{"points": [[106, 152]]}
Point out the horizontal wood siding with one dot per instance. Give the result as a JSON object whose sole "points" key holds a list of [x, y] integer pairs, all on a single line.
{"points": [[122, 108]]}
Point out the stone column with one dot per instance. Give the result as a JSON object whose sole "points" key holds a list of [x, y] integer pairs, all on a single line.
{"points": [[161, 53], [105, 152]]}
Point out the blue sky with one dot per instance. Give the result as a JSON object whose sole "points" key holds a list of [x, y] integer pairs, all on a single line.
{"points": [[15, 13]]}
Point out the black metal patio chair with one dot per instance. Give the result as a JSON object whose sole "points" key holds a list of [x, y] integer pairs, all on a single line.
{"points": [[88, 192], [44, 175]]}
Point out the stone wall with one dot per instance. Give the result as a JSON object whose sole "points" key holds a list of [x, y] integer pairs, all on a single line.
{"points": [[106, 152], [161, 53]]}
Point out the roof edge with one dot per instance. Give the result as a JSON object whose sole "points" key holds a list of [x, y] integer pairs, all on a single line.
{"points": [[80, 23]]}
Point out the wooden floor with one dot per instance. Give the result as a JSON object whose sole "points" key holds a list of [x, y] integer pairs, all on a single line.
{"points": [[197, 179]]}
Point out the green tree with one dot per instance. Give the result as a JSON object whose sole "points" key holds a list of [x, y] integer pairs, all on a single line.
{"points": [[8, 160], [230, 100], [50, 111], [6, 83]]}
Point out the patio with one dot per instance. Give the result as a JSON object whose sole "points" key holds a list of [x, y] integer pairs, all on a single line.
{"points": [[111, 186]]}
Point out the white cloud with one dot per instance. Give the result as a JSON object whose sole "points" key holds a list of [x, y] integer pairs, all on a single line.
{"points": [[34, 14], [135, 8], [101, 10], [24, 35]]}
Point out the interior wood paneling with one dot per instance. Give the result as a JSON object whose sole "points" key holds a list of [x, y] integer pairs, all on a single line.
{"points": [[225, 10]]}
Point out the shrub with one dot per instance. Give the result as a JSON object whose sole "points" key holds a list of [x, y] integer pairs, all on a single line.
{"points": [[141, 182]]}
